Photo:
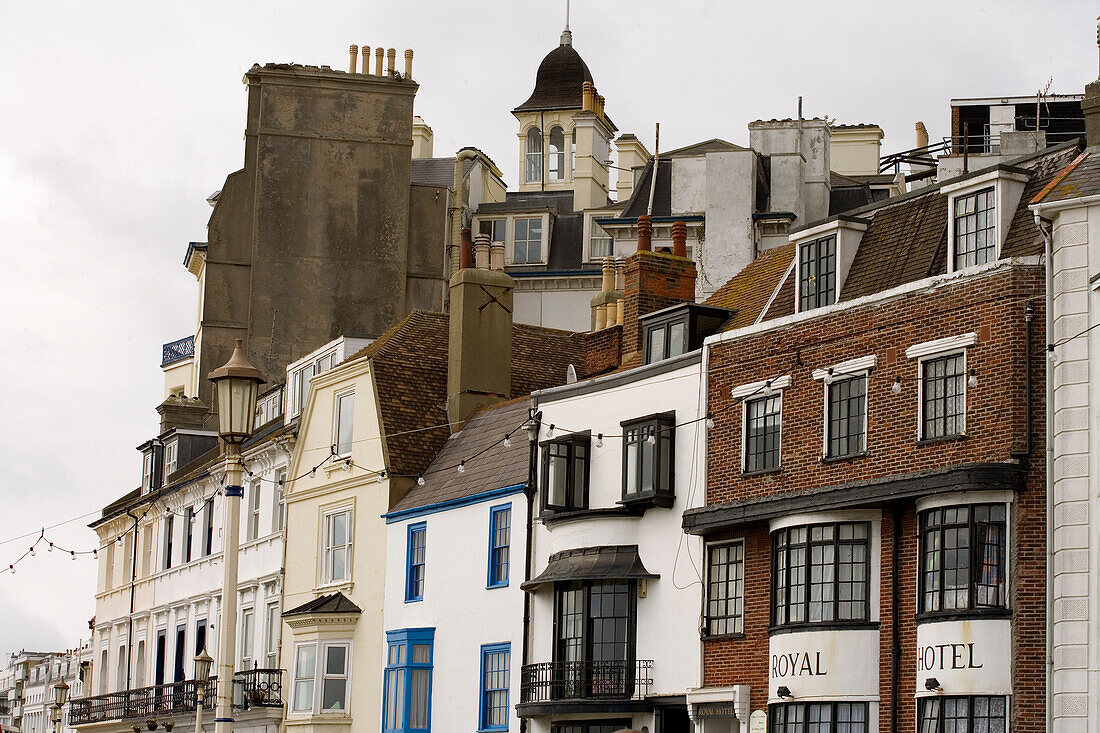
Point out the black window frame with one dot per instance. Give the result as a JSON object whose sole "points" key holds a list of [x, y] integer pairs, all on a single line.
{"points": [[978, 519], [589, 726], [807, 581], [782, 724], [662, 426], [973, 256], [832, 420], [940, 704], [665, 327], [750, 461], [585, 677], [812, 257], [570, 443], [928, 397], [737, 602]]}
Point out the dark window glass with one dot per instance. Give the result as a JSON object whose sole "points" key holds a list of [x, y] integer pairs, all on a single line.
{"points": [[565, 473], [818, 717], [168, 532], [495, 228], [648, 458], [821, 573], [595, 726], [188, 521], [975, 229], [943, 396], [762, 423], [847, 416], [665, 340], [963, 714], [725, 588], [817, 273], [963, 558], [594, 649]]}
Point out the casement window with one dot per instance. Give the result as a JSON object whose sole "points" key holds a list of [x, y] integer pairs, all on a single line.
{"points": [[168, 532], [147, 549], [600, 244], [665, 340], [595, 638], [572, 152], [817, 273], [846, 415], [342, 429], [248, 618], [321, 677], [109, 565], [495, 228], [414, 562], [533, 159], [278, 511], [254, 494], [943, 396], [188, 532], [300, 377], [171, 452], [565, 473], [821, 573], [725, 587], [963, 714], [818, 717], [527, 242], [407, 682], [500, 540], [975, 228], [495, 668], [963, 550], [556, 167], [147, 470], [763, 423], [336, 554], [648, 456], [272, 628], [208, 528]]}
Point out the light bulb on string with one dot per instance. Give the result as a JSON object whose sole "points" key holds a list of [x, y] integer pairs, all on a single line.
{"points": [[462, 467], [710, 421], [550, 432], [972, 380], [1052, 355], [651, 440], [420, 480], [599, 440], [381, 476], [33, 553], [768, 388], [896, 386], [829, 376], [50, 548], [95, 552], [73, 553], [507, 441], [12, 568]]}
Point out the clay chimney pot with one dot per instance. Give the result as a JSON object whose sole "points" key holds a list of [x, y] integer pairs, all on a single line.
{"points": [[466, 253], [645, 234], [679, 239]]}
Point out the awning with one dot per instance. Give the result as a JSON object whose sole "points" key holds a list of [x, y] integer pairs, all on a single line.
{"points": [[608, 562]]}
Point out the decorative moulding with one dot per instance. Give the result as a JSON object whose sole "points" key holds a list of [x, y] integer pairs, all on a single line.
{"points": [[941, 346], [745, 390], [847, 368]]}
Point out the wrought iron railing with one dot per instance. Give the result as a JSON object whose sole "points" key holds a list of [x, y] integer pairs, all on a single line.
{"points": [[606, 680], [178, 350], [251, 688]]}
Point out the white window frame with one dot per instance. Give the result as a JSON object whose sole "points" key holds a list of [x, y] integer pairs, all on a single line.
{"points": [[927, 350], [337, 415], [171, 452], [1007, 187], [247, 640], [590, 225], [298, 391], [278, 507], [255, 493], [544, 238], [754, 390], [326, 549], [272, 632], [562, 154], [320, 676], [147, 470], [541, 154], [860, 367]]}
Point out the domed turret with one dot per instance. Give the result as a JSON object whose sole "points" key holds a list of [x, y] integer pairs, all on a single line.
{"points": [[559, 80]]}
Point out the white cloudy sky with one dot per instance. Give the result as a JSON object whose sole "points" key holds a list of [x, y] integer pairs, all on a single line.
{"points": [[117, 119]]}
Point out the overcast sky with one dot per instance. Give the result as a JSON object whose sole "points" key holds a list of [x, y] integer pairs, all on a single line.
{"points": [[118, 119]]}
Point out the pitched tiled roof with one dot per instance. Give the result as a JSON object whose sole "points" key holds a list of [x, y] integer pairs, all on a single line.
{"points": [[333, 603], [1080, 178], [497, 467], [747, 294], [410, 369]]}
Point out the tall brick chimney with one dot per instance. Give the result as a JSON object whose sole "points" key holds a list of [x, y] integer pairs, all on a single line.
{"points": [[654, 280], [479, 359]]}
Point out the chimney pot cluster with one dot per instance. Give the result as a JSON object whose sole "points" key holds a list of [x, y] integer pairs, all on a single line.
{"points": [[391, 66], [487, 255]]}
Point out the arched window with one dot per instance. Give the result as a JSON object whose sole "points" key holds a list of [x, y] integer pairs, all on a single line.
{"points": [[572, 152], [534, 156], [557, 154]]}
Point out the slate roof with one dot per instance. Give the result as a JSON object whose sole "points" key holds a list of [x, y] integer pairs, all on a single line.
{"points": [[497, 467], [333, 603], [558, 81], [748, 292], [437, 171], [410, 368], [1081, 177], [638, 202]]}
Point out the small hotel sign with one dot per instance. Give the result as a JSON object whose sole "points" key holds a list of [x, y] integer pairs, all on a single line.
{"points": [[711, 710]]}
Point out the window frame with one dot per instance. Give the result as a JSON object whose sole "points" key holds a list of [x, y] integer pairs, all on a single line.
{"points": [[665, 325], [556, 156], [407, 638], [411, 564], [147, 470], [542, 241], [171, 454], [775, 725], [484, 691], [738, 601], [328, 551], [974, 555], [827, 436], [955, 218], [255, 494], [320, 675], [272, 634], [188, 529], [807, 301], [208, 528], [493, 222], [571, 441], [533, 160], [927, 701], [169, 530], [777, 395], [496, 514], [922, 363], [278, 509], [593, 228], [338, 406], [807, 584], [663, 425], [246, 641], [300, 383]]}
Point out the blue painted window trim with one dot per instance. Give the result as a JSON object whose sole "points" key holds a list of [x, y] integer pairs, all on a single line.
{"points": [[486, 650], [496, 515], [412, 593], [408, 638]]}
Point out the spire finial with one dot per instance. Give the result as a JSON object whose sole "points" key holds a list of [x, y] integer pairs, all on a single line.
{"points": [[567, 36]]}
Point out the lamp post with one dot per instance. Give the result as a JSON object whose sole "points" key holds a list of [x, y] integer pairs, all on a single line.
{"points": [[236, 385], [60, 697], [202, 674]]}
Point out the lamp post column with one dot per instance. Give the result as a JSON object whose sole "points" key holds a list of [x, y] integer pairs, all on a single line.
{"points": [[227, 640]]}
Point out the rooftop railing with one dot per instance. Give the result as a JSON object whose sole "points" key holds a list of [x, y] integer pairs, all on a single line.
{"points": [[177, 350]]}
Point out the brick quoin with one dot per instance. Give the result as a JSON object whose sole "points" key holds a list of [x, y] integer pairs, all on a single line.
{"points": [[991, 304]]}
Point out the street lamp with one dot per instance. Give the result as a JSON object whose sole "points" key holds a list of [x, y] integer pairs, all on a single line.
{"points": [[60, 697], [235, 385], [202, 674]]}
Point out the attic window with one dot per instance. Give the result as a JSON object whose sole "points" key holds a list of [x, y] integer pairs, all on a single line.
{"points": [[975, 228], [666, 339], [817, 273]]}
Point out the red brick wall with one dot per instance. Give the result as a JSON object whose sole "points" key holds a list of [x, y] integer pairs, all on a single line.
{"points": [[993, 306], [654, 280], [602, 350]]}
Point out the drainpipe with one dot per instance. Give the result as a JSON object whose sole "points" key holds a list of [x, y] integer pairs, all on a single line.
{"points": [[1046, 227], [529, 491], [895, 624], [133, 582]]}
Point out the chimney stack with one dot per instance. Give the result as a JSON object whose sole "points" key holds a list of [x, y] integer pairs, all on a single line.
{"points": [[654, 280], [353, 51], [408, 63], [391, 61], [366, 60], [922, 135], [479, 358], [1091, 105], [378, 54]]}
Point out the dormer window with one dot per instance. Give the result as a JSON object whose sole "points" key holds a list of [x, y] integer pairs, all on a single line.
{"points": [[533, 169], [975, 232], [147, 470], [527, 245], [817, 273], [301, 376], [980, 210], [171, 451]]}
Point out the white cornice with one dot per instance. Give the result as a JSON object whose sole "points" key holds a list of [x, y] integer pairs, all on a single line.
{"points": [[847, 368], [941, 346], [745, 390]]}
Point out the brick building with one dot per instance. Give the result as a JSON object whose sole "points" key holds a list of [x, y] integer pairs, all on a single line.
{"points": [[875, 518]]}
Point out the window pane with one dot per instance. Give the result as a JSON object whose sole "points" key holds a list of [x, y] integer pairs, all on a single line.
{"points": [[418, 704], [847, 413], [656, 344], [333, 694], [975, 229], [344, 410], [395, 697], [817, 273], [762, 433], [556, 167], [533, 167], [676, 338], [725, 588], [336, 660]]}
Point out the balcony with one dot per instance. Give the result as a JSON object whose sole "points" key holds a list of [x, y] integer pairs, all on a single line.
{"points": [[251, 689], [604, 686], [178, 350]]}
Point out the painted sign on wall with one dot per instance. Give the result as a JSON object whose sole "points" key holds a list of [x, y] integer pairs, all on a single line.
{"points": [[967, 657], [819, 664]]}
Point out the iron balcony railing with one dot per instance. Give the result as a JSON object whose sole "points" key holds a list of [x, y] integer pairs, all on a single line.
{"points": [[252, 688], [605, 680], [178, 350]]}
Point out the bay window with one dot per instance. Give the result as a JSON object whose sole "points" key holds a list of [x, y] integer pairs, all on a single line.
{"points": [[821, 573], [963, 714], [962, 551], [565, 473], [818, 717], [321, 677], [648, 455], [407, 681]]}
